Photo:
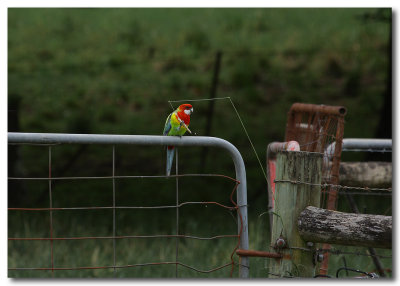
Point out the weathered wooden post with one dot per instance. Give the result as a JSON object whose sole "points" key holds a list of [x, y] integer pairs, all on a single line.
{"points": [[298, 179]]}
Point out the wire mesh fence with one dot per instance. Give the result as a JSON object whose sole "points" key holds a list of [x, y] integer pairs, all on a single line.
{"points": [[315, 127], [239, 207]]}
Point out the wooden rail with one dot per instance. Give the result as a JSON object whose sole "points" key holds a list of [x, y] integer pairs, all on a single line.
{"points": [[322, 225]]}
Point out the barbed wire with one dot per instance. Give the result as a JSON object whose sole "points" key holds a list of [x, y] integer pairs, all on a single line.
{"points": [[337, 187], [363, 193], [336, 251]]}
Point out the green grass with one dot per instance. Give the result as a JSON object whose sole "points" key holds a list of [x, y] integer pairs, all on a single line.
{"points": [[203, 255]]}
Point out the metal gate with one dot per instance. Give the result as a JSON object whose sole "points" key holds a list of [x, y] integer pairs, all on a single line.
{"points": [[241, 187]]}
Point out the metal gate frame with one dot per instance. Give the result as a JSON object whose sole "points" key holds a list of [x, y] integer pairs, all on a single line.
{"points": [[61, 138], [360, 144]]}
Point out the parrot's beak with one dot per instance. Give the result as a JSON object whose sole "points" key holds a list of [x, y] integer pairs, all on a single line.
{"points": [[191, 110]]}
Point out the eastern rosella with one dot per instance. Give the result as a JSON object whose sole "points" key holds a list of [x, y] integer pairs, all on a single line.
{"points": [[176, 124]]}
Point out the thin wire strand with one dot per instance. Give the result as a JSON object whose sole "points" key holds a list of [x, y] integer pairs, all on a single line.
{"points": [[177, 213], [114, 211], [335, 251], [368, 150], [240, 120], [123, 266], [191, 100], [122, 207], [386, 194], [248, 137], [334, 186], [123, 177], [125, 237], [51, 214]]}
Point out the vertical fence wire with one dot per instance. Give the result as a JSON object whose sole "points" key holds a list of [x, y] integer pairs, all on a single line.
{"points": [[177, 215], [51, 215], [114, 210]]}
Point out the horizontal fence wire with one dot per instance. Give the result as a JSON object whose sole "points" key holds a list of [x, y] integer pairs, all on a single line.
{"points": [[122, 266], [368, 150], [124, 207], [334, 188], [336, 251], [123, 177], [127, 237], [51, 209]]}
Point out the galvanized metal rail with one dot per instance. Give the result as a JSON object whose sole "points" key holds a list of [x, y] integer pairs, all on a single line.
{"points": [[59, 138], [359, 145]]}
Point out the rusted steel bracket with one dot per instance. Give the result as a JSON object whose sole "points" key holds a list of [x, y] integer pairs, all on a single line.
{"points": [[327, 109]]}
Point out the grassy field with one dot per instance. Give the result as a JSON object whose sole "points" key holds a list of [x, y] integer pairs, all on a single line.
{"points": [[113, 71], [203, 255]]}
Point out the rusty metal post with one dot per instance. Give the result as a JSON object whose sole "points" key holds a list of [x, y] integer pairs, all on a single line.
{"points": [[333, 192]]}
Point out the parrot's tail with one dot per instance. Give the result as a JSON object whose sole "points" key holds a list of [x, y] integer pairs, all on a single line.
{"points": [[170, 158]]}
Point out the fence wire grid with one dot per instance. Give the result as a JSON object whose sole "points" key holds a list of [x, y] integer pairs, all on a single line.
{"points": [[50, 209]]}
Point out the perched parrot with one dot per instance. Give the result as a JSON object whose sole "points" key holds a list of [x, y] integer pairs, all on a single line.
{"points": [[176, 124]]}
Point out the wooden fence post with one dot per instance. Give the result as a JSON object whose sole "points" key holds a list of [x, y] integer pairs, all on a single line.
{"points": [[296, 172]]}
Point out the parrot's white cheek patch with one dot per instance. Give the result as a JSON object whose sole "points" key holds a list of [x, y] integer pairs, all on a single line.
{"points": [[188, 111]]}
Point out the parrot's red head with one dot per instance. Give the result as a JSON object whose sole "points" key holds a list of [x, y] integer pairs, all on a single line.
{"points": [[186, 108]]}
